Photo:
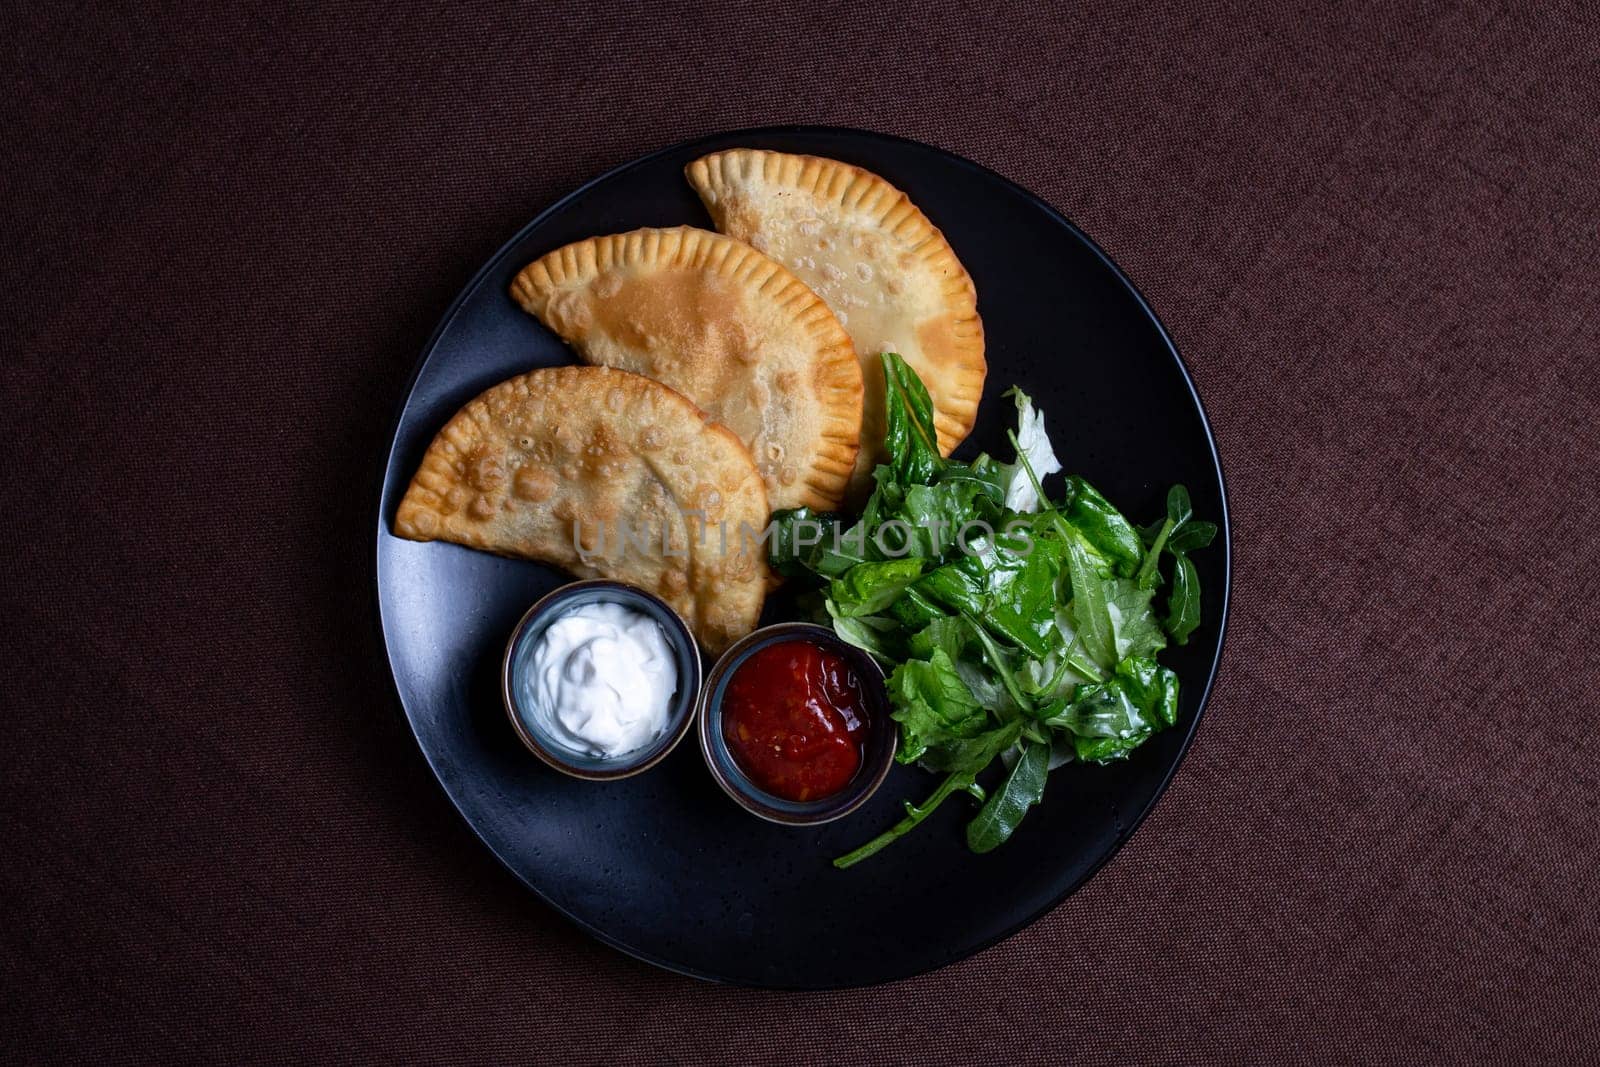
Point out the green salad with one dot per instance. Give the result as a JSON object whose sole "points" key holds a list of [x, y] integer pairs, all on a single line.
{"points": [[1013, 626]]}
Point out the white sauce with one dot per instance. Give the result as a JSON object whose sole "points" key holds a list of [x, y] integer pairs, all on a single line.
{"points": [[601, 679]]}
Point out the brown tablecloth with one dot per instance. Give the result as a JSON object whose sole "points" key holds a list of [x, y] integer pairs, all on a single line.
{"points": [[228, 232]]}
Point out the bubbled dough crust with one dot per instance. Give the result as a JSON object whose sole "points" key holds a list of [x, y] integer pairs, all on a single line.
{"points": [[516, 468], [727, 327], [875, 259]]}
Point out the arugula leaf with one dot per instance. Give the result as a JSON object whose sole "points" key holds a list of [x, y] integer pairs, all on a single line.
{"points": [[1007, 582], [1103, 526], [1183, 603], [1105, 723], [997, 662], [869, 588], [1194, 534], [974, 753], [1090, 615], [1107, 749], [1153, 687], [796, 532], [1110, 719], [955, 586], [1103, 709], [1178, 534], [932, 705], [988, 684], [804, 541], [1004, 810], [1136, 632], [1149, 575], [1185, 532], [1022, 594], [1074, 656], [1179, 510], [987, 476], [910, 439], [966, 760], [841, 548], [1112, 615]]}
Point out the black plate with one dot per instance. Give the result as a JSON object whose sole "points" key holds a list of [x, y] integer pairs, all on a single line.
{"points": [[664, 866]]}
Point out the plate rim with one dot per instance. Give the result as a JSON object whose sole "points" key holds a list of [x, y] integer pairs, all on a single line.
{"points": [[468, 288]]}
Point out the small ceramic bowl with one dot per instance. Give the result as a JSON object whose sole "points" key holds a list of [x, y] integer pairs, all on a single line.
{"points": [[558, 753], [877, 756]]}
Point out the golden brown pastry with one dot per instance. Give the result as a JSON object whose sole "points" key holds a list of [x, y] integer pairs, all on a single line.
{"points": [[884, 269], [560, 464], [730, 329]]}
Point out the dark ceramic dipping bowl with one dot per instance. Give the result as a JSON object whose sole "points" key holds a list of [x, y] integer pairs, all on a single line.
{"points": [[876, 758], [557, 752]]}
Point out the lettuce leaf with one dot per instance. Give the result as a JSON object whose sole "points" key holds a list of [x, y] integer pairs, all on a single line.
{"points": [[1035, 456], [932, 705]]}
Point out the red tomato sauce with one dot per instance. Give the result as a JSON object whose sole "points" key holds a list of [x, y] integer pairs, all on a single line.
{"points": [[794, 718]]}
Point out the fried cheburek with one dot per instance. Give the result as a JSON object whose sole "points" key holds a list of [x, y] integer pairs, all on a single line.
{"points": [[605, 474], [875, 259], [731, 329]]}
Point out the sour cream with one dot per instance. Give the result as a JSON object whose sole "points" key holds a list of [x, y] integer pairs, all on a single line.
{"points": [[601, 679]]}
